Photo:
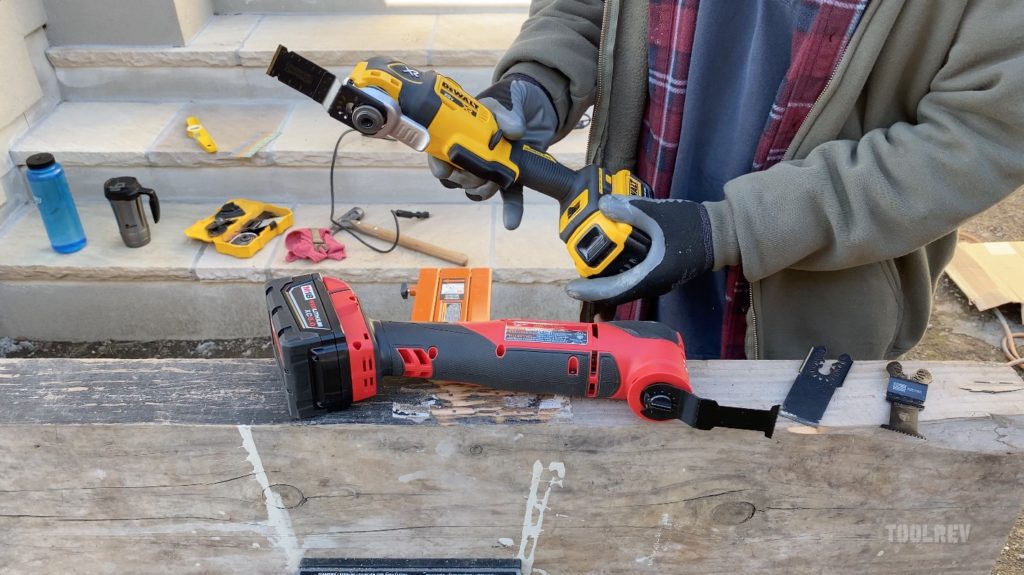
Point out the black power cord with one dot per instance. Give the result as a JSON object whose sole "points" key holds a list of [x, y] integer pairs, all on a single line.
{"points": [[394, 213]]}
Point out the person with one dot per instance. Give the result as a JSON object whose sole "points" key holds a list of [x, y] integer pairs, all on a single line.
{"points": [[810, 159]]}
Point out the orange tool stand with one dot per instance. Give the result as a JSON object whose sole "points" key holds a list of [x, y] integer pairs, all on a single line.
{"points": [[451, 295]]}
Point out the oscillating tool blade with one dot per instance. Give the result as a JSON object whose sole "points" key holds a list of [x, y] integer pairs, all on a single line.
{"points": [[812, 391], [906, 395], [301, 74]]}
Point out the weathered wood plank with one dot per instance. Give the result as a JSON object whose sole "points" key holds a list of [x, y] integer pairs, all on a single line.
{"points": [[625, 496], [641, 498], [75, 498], [229, 391], [248, 392]]}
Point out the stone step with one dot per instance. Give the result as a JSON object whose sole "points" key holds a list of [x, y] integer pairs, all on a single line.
{"points": [[229, 57], [273, 151], [204, 83], [176, 288], [367, 6]]}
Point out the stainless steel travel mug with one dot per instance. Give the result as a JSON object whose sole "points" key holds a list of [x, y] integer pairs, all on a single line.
{"points": [[125, 196]]}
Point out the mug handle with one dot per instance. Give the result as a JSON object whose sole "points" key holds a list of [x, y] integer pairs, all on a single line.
{"points": [[154, 203]]}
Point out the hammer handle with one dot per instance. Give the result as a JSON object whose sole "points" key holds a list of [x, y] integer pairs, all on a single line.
{"points": [[457, 258]]}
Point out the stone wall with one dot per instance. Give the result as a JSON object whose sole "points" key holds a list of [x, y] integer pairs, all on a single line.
{"points": [[29, 88], [125, 22]]}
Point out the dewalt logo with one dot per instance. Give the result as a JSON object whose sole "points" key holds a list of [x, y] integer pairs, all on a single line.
{"points": [[456, 94]]}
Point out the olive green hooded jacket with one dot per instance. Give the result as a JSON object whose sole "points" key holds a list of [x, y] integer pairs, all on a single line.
{"points": [[921, 127]]}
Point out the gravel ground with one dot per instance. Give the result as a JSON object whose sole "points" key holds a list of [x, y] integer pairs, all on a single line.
{"points": [[957, 332], [1005, 222], [206, 349]]}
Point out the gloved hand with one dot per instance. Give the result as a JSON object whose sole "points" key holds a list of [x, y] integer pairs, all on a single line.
{"points": [[681, 249], [524, 112]]}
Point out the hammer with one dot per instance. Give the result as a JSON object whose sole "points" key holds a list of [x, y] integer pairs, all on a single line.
{"points": [[352, 220]]}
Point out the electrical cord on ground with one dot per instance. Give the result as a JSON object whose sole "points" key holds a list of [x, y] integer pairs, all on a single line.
{"points": [[1009, 342], [337, 225]]}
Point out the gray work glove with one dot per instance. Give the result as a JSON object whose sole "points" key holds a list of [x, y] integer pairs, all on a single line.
{"points": [[524, 112], [681, 249]]}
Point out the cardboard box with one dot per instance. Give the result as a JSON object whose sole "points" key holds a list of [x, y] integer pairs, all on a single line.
{"points": [[990, 274]]}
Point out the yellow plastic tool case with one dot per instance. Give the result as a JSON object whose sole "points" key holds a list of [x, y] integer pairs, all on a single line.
{"points": [[241, 228]]}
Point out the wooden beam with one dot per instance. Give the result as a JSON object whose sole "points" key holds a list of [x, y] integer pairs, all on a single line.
{"points": [[571, 487], [236, 391], [635, 499]]}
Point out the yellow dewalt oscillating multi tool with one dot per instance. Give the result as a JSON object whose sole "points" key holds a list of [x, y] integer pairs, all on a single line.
{"points": [[385, 98]]}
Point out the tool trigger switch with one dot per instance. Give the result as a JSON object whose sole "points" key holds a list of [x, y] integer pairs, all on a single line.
{"points": [[495, 139], [594, 246]]}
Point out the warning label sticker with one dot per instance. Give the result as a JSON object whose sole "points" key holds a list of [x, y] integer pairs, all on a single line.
{"points": [[541, 332], [453, 290]]}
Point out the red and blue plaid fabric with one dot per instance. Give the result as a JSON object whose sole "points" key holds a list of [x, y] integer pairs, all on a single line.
{"points": [[816, 51], [671, 28]]}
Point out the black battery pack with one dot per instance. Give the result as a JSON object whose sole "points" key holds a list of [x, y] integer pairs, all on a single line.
{"points": [[310, 346]]}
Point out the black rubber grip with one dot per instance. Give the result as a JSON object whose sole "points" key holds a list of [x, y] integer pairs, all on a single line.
{"points": [[465, 356], [488, 170], [647, 330], [543, 173]]}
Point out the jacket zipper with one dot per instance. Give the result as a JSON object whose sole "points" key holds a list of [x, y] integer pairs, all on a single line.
{"points": [[753, 323], [828, 84], [600, 77]]}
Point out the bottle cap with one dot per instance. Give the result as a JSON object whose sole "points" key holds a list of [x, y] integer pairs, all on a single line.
{"points": [[40, 161]]}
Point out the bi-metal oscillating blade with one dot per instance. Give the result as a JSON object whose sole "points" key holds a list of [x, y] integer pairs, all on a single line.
{"points": [[903, 419], [906, 395], [662, 402], [812, 391], [301, 74], [369, 110]]}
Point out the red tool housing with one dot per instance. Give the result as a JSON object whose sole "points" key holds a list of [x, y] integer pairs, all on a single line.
{"points": [[332, 355]]}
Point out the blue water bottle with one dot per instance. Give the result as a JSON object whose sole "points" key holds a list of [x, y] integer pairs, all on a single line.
{"points": [[56, 206]]}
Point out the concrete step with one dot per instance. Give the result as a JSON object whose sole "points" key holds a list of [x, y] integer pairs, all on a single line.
{"points": [[178, 288], [229, 57], [274, 151]]}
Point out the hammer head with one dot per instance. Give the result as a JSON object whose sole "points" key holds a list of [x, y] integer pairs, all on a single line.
{"points": [[353, 215]]}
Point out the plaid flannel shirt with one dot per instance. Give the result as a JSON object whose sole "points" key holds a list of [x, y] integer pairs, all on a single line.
{"points": [[816, 51]]}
